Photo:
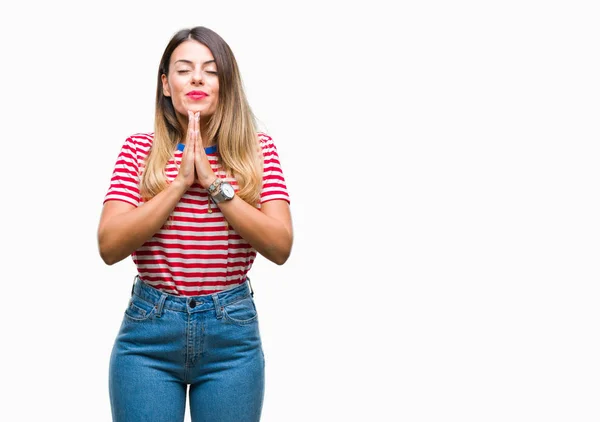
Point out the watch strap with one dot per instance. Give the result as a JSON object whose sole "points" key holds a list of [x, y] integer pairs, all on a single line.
{"points": [[214, 186]]}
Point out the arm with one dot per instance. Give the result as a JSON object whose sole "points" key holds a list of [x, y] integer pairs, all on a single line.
{"points": [[268, 230], [124, 228]]}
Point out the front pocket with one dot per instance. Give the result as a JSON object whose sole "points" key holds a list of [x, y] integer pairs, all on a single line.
{"points": [[139, 310], [241, 312]]}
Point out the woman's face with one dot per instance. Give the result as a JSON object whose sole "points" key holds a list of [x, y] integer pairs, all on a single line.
{"points": [[192, 82]]}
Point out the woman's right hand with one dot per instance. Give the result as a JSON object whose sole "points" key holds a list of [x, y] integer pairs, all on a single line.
{"points": [[187, 169]]}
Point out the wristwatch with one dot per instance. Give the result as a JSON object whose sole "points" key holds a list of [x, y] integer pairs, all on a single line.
{"points": [[223, 192]]}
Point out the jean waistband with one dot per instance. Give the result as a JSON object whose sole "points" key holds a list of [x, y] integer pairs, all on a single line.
{"points": [[189, 303]]}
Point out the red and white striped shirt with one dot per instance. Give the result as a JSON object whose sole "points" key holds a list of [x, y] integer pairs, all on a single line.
{"points": [[196, 252]]}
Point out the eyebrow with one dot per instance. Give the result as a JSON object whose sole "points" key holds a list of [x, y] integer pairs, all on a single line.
{"points": [[191, 62]]}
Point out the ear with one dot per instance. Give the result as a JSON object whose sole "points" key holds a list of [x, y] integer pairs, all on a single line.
{"points": [[165, 84]]}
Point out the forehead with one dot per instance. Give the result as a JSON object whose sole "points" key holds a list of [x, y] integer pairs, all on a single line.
{"points": [[193, 51]]}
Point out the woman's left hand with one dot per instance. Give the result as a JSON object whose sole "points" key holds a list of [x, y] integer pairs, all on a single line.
{"points": [[204, 173]]}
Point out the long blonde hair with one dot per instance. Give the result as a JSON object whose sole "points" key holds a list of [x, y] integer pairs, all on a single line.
{"points": [[232, 127]]}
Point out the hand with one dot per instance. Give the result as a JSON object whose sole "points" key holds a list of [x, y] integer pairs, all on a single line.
{"points": [[186, 173], [204, 173]]}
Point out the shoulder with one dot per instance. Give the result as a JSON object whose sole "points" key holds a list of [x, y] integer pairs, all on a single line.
{"points": [[141, 139], [140, 142], [266, 143]]}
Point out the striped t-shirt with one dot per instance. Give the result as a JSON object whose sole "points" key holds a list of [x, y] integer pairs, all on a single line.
{"points": [[195, 252]]}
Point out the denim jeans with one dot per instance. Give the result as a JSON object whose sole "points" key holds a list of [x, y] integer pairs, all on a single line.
{"points": [[166, 343]]}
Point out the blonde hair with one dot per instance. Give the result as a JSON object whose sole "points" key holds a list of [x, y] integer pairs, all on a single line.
{"points": [[232, 127]]}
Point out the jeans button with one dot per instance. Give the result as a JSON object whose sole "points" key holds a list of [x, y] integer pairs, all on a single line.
{"points": [[192, 303]]}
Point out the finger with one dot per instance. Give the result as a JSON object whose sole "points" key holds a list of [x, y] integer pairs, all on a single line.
{"points": [[198, 154], [188, 151], [192, 134], [192, 142], [190, 123], [197, 117], [190, 119], [198, 145]]}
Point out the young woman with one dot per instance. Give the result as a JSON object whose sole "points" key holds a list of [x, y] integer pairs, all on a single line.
{"points": [[192, 203]]}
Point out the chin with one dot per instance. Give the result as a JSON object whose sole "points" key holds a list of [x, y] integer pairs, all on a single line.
{"points": [[195, 109], [204, 113], [182, 110]]}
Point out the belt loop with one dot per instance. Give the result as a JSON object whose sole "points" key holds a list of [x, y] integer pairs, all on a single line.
{"points": [[159, 306], [218, 307], [133, 285], [250, 284]]}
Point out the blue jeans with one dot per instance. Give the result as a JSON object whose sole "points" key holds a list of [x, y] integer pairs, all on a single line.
{"points": [[166, 342]]}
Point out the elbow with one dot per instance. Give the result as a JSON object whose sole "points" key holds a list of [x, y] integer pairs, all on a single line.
{"points": [[107, 257], [108, 260], [280, 260], [276, 256], [283, 255], [106, 253], [110, 256], [285, 252], [279, 248]]}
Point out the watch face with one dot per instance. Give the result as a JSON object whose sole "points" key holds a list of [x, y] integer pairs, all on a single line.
{"points": [[227, 190]]}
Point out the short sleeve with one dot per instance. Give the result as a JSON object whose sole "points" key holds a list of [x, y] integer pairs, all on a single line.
{"points": [[274, 186], [125, 180]]}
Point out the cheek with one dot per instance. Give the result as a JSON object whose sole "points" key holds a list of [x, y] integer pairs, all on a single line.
{"points": [[215, 93], [176, 87], [176, 83], [177, 91]]}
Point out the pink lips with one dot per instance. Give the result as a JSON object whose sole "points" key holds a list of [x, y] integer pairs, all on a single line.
{"points": [[197, 95]]}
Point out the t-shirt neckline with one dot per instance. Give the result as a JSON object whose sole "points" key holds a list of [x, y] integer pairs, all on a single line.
{"points": [[209, 150]]}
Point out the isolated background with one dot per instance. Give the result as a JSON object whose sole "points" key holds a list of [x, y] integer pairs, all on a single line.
{"points": [[442, 161]]}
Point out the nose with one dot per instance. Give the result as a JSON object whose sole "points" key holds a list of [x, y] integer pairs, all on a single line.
{"points": [[197, 76]]}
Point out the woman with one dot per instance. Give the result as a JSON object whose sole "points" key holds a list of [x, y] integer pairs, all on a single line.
{"points": [[193, 203]]}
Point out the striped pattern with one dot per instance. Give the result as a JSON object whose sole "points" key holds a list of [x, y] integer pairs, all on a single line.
{"points": [[196, 253]]}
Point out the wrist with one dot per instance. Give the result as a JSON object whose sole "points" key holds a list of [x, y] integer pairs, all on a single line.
{"points": [[208, 182], [223, 192], [213, 186], [179, 186]]}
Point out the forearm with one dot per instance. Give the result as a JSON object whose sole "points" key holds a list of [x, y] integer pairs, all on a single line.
{"points": [[123, 233], [269, 236]]}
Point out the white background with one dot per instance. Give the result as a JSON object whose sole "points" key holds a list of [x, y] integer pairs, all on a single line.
{"points": [[442, 160]]}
